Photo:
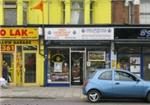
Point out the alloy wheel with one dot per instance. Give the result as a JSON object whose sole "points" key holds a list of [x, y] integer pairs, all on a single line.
{"points": [[94, 96]]}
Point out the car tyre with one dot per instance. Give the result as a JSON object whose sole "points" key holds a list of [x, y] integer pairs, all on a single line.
{"points": [[148, 97], [94, 96]]}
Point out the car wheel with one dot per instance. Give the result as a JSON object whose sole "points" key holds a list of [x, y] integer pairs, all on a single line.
{"points": [[148, 97], [94, 96]]}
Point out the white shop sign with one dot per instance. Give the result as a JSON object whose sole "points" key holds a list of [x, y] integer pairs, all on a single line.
{"points": [[90, 33]]}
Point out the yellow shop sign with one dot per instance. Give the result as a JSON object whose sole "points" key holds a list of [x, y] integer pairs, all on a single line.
{"points": [[19, 33]]}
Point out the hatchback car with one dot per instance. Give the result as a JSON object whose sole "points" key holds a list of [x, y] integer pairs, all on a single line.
{"points": [[115, 84]]}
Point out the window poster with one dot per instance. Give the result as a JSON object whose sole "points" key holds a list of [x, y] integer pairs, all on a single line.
{"points": [[57, 66], [135, 68], [96, 55], [134, 60], [148, 66]]}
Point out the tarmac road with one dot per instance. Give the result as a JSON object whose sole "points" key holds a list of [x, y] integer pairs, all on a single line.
{"points": [[26, 101]]}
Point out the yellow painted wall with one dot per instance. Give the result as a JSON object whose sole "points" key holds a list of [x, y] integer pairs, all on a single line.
{"points": [[1, 12], [102, 12], [0, 66], [67, 12], [19, 12], [40, 70], [52, 12], [56, 12], [86, 11]]}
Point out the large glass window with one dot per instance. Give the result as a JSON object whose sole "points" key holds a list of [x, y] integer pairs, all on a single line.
{"points": [[128, 58], [97, 58], [77, 12], [58, 65], [144, 12]]}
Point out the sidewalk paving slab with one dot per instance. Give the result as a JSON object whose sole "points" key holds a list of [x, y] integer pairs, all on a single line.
{"points": [[42, 92]]}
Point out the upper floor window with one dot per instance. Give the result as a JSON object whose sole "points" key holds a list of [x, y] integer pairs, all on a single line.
{"points": [[77, 12], [10, 13], [145, 12]]}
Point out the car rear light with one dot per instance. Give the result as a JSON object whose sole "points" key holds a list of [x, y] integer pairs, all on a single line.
{"points": [[85, 83]]}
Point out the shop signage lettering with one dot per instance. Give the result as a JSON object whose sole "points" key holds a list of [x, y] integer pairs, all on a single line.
{"points": [[15, 42], [18, 33], [145, 33], [7, 47], [132, 33], [74, 33]]}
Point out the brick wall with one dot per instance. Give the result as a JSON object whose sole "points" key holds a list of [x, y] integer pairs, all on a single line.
{"points": [[120, 13]]}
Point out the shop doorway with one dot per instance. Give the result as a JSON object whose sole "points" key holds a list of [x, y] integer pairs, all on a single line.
{"points": [[8, 62], [147, 67], [77, 67], [29, 68]]}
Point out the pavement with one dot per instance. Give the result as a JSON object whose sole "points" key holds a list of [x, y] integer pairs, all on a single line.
{"points": [[42, 92]]}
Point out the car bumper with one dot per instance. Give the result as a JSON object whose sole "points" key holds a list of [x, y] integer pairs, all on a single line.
{"points": [[84, 91]]}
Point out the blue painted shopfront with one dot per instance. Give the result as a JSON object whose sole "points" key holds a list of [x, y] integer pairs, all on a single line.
{"points": [[132, 45]]}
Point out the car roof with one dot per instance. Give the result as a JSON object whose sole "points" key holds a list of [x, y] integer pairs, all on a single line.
{"points": [[102, 70]]}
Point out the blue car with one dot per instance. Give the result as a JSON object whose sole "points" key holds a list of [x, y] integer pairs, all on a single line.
{"points": [[115, 84]]}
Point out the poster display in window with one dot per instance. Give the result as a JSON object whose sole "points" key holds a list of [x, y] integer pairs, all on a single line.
{"points": [[135, 68], [58, 67], [96, 55], [135, 64], [134, 60]]}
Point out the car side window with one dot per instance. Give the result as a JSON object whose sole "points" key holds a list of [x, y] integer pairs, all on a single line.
{"points": [[107, 75], [123, 76]]}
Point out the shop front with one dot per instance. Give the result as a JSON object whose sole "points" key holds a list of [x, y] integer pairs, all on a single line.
{"points": [[132, 45], [19, 56], [73, 53]]}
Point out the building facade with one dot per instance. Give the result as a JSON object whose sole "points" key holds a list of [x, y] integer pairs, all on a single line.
{"points": [[132, 49], [74, 52], [27, 12], [19, 56], [64, 56], [125, 11]]}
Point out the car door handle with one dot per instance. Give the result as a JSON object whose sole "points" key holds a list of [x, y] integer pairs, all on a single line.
{"points": [[117, 83]]}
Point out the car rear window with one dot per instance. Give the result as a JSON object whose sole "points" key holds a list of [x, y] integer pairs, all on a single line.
{"points": [[107, 75], [92, 75]]}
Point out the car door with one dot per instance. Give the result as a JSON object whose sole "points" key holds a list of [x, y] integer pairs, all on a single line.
{"points": [[105, 83], [126, 85]]}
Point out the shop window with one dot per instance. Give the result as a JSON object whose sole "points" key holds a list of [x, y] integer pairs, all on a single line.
{"points": [[58, 65], [131, 62], [124, 49], [10, 13], [97, 58], [146, 49], [77, 12]]}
